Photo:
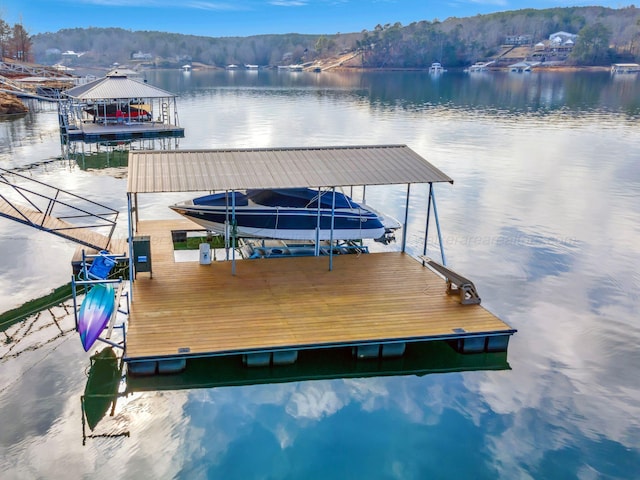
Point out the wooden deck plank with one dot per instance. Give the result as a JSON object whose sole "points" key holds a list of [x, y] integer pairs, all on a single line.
{"points": [[288, 302]]}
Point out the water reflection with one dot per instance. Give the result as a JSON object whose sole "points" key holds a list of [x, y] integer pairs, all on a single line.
{"points": [[34, 135], [494, 93], [289, 423], [543, 216]]}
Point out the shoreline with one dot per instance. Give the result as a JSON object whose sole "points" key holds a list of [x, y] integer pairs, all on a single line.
{"points": [[550, 68], [11, 105]]}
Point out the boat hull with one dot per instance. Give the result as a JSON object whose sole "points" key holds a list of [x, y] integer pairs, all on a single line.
{"points": [[95, 312], [113, 112], [287, 214], [287, 224]]}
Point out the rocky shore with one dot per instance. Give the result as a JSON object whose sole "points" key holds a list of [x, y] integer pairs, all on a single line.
{"points": [[11, 105]]}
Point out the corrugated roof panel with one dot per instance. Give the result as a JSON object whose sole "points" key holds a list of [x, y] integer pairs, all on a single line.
{"points": [[111, 88], [202, 170]]}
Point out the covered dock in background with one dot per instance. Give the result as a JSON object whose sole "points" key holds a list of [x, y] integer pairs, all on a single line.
{"points": [[625, 68], [266, 311], [117, 108]]}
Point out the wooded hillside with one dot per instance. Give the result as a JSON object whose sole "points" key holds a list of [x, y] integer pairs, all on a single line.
{"points": [[605, 35]]}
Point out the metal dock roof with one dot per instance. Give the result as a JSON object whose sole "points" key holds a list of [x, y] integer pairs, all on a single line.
{"points": [[238, 169], [116, 87]]}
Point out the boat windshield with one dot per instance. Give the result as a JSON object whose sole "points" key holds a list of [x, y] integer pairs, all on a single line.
{"points": [[222, 199], [300, 198]]}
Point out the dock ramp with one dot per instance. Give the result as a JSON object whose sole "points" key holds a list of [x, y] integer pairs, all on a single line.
{"points": [[53, 210]]}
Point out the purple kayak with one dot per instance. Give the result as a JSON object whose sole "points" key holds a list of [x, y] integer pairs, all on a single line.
{"points": [[95, 312]]}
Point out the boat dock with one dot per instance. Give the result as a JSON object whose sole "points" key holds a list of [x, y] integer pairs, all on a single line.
{"points": [[268, 310], [287, 304], [625, 68], [117, 108]]}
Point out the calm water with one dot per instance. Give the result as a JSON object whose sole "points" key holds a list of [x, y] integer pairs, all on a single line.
{"points": [[543, 216]]}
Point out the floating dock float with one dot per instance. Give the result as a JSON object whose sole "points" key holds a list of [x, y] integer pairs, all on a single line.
{"points": [[420, 359]]}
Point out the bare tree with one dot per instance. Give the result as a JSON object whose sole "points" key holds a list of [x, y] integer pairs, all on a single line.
{"points": [[5, 36], [20, 48]]}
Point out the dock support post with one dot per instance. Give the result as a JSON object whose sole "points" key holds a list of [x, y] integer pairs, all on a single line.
{"points": [[426, 230], [130, 242], [317, 247], [234, 231], [333, 219], [135, 210], [406, 219], [435, 214]]}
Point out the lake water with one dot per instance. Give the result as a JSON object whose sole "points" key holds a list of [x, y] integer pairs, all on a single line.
{"points": [[543, 216]]}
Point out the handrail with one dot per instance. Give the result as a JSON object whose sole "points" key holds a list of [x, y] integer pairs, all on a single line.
{"points": [[53, 201], [12, 172], [102, 219]]}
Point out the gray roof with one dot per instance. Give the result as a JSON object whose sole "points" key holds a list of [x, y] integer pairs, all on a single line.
{"points": [[116, 87], [239, 169]]}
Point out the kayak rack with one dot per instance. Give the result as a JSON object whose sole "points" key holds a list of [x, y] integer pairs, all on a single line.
{"points": [[94, 270]]}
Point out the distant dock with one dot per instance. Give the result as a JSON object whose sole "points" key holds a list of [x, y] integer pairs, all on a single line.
{"points": [[117, 108]]}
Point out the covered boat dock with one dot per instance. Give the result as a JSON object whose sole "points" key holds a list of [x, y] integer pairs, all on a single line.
{"points": [[117, 108], [265, 310]]}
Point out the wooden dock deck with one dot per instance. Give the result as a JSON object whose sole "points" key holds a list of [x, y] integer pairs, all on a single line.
{"points": [[188, 309]]}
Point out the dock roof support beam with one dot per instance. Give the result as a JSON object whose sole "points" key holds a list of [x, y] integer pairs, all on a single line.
{"points": [[130, 240], [333, 220], [406, 219], [317, 246], [234, 232], [435, 214], [426, 230], [432, 199]]}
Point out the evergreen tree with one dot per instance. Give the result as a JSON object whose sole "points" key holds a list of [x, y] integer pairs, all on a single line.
{"points": [[592, 45]]}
